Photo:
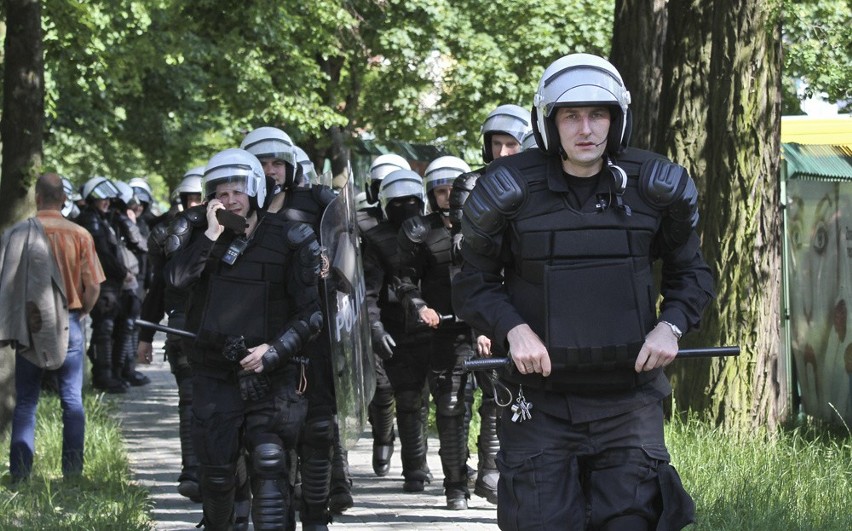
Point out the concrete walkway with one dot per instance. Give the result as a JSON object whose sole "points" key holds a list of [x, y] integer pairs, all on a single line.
{"points": [[150, 427]]}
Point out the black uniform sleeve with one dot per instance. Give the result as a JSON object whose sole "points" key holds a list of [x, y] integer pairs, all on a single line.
{"points": [[153, 305], [112, 265], [411, 268], [479, 291], [686, 285], [374, 277], [186, 264]]}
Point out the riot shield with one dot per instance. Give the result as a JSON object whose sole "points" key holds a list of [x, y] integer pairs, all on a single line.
{"points": [[348, 324]]}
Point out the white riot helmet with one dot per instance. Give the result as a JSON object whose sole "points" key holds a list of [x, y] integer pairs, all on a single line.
{"points": [[142, 190], [69, 208], [580, 79], [399, 184], [442, 171], [236, 165], [271, 142], [125, 194], [309, 173], [190, 184], [381, 167], [511, 120], [99, 188]]}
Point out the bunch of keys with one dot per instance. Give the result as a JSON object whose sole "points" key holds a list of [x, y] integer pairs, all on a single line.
{"points": [[521, 408]]}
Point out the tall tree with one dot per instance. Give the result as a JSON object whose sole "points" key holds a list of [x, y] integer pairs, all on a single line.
{"points": [[21, 133], [21, 126], [638, 41], [720, 117]]}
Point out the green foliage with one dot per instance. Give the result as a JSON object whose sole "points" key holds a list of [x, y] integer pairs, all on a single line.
{"points": [[103, 498], [818, 46], [796, 479]]}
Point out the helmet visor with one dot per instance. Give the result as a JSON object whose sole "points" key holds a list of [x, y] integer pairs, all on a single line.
{"points": [[104, 190], [271, 148], [506, 123], [576, 86]]}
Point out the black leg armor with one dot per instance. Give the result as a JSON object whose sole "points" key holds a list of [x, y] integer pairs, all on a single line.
{"points": [[381, 419], [488, 444], [315, 453], [218, 484], [409, 418], [340, 490], [270, 489]]}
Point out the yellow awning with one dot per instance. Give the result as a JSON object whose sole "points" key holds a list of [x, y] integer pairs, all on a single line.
{"points": [[833, 131]]}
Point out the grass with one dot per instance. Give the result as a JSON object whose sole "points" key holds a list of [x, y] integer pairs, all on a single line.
{"points": [[795, 479], [102, 499]]}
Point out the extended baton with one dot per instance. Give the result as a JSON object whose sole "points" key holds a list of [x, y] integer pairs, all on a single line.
{"points": [[487, 364], [162, 328]]}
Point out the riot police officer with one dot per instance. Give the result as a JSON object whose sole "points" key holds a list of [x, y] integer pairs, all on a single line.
{"points": [[381, 411], [98, 192], [322, 459], [426, 268], [403, 347], [254, 305], [160, 299], [134, 249], [503, 132], [558, 249]]}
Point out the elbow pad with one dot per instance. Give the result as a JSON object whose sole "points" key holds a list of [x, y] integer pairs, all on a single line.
{"points": [[668, 187], [300, 333], [496, 198], [303, 242]]}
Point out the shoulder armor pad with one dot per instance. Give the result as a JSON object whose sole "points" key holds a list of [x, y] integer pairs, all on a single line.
{"points": [[323, 194], [89, 221], [415, 229], [179, 231], [662, 182], [497, 195], [196, 216], [462, 186]]}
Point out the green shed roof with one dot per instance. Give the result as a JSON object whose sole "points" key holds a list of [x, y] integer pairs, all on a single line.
{"points": [[817, 162]]}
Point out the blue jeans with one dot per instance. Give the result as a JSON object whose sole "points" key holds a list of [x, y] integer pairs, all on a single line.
{"points": [[28, 386]]}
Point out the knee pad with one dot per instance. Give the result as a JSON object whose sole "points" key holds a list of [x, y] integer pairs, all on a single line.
{"points": [[218, 480], [269, 460], [318, 432]]}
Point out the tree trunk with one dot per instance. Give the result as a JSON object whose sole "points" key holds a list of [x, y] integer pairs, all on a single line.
{"points": [[21, 132], [720, 117], [23, 109], [637, 53]]}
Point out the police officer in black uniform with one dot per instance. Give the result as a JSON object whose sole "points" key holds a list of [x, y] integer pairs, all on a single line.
{"points": [[426, 268], [381, 410], [297, 200], [99, 192], [133, 247], [402, 345], [162, 299], [255, 288], [558, 249], [502, 135]]}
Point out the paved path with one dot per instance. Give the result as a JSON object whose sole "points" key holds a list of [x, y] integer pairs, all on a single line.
{"points": [[150, 426]]}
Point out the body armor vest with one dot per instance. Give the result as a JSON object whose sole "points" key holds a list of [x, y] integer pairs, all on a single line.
{"points": [[593, 268], [383, 238], [248, 298], [437, 267]]}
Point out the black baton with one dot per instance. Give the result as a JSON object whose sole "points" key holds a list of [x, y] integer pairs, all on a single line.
{"points": [[162, 328], [487, 364]]}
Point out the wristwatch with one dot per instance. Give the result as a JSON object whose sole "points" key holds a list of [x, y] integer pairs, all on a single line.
{"points": [[675, 330]]}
